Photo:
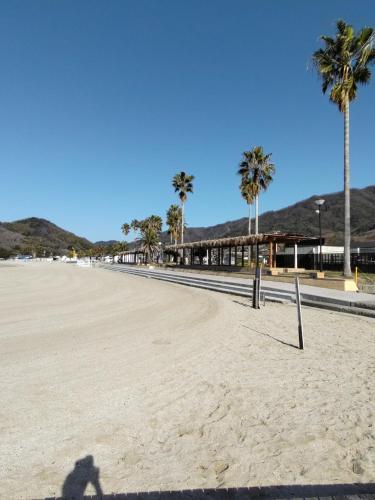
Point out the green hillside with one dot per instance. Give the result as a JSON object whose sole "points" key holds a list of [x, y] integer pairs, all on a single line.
{"points": [[38, 236]]}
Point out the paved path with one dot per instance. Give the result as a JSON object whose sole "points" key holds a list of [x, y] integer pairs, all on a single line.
{"points": [[360, 303], [313, 291]]}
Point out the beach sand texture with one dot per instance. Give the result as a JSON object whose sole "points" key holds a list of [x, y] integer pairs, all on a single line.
{"points": [[171, 387]]}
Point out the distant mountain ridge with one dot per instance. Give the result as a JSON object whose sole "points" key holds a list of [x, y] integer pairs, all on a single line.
{"points": [[35, 233], [302, 218]]}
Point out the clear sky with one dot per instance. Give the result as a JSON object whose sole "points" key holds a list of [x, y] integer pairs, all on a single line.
{"points": [[102, 102]]}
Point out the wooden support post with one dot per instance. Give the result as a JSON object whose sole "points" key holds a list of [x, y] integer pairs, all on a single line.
{"points": [[209, 256], [235, 255], [242, 258], [230, 256], [270, 257], [274, 255], [191, 256]]}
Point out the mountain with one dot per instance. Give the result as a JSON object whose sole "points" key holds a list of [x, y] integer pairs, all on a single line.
{"points": [[36, 235], [301, 218], [103, 243]]}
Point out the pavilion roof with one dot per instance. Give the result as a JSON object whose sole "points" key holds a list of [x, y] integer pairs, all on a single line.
{"points": [[261, 239]]}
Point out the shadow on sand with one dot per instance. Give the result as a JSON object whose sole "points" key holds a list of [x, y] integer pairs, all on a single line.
{"points": [[85, 472], [271, 337], [82, 475]]}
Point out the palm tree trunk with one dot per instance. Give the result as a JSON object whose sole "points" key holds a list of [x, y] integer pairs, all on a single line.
{"points": [[347, 268], [249, 256], [249, 226], [256, 213], [182, 221]]}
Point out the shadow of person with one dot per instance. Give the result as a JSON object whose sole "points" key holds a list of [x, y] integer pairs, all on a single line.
{"points": [[76, 481]]}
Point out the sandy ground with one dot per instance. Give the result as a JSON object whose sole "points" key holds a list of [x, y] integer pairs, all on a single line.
{"points": [[170, 387]]}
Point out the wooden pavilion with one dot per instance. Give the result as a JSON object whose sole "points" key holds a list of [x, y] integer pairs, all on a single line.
{"points": [[237, 250]]}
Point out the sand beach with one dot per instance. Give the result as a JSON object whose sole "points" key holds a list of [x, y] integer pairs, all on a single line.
{"points": [[169, 387]]}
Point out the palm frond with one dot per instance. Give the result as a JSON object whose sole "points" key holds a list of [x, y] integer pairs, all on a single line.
{"points": [[183, 184], [343, 62]]}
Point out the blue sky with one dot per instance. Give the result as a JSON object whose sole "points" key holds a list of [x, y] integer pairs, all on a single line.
{"points": [[102, 102]]}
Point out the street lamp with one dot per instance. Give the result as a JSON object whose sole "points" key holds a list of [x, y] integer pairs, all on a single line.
{"points": [[160, 252], [319, 203]]}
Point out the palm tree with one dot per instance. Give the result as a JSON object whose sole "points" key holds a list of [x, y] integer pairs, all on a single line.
{"points": [[149, 234], [149, 241], [183, 184], [247, 189], [342, 65], [174, 218], [125, 228], [119, 247], [256, 169]]}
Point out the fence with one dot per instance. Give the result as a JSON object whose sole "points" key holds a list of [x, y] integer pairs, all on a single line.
{"points": [[331, 261]]}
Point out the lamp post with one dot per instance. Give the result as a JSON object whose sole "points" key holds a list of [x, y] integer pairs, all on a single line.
{"points": [[319, 204], [160, 252]]}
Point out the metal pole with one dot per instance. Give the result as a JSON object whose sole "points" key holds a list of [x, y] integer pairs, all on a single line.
{"points": [[320, 242], [256, 282], [299, 314], [259, 284], [255, 294]]}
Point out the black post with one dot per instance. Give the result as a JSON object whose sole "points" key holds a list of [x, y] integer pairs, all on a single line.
{"points": [[209, 256], [256, 282], [255, 294], [230, 256], [299, 314]]}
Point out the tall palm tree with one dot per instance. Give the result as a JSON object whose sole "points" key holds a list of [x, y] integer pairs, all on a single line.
{"points": [[174, 218], [125, 228], [342, 65], [183, 184], [247, 189], [257, 169]]}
